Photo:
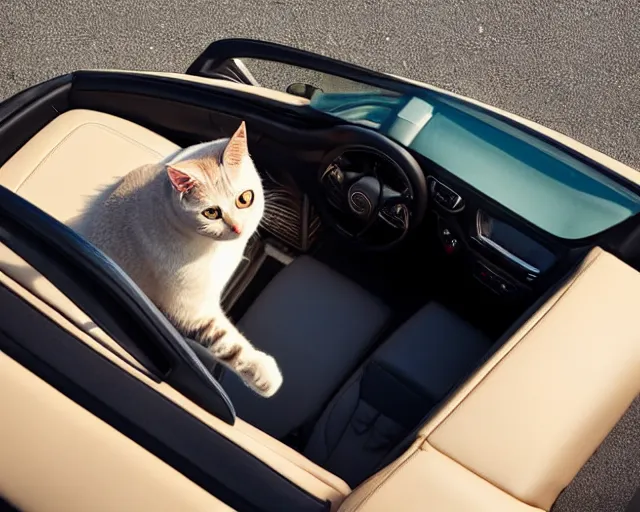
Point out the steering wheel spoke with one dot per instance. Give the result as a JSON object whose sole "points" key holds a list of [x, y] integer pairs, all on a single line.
{"points": [[394, 209], [391, 209], [374, 202]]}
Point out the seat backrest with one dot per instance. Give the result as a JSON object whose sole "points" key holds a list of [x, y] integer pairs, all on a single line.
{"points": [[517, 432]]}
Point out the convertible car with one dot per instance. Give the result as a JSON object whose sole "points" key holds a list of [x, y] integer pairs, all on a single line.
{"points": [[450, 290]]}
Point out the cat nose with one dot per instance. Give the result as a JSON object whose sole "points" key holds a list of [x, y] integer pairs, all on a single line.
{"points": [[236, 228]]}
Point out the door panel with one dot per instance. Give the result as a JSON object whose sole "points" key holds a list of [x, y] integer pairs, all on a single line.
{"points": [[145, 415], [57, 456]]}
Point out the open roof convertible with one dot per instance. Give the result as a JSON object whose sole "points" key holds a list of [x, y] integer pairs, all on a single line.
{"points": [[451, 292]]}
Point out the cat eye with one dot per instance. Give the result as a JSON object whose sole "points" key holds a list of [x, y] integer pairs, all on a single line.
{"points": [[245, 199], [212, 213]]}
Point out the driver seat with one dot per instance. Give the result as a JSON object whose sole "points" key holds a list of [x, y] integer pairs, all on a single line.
{"points": [[323, 329]]}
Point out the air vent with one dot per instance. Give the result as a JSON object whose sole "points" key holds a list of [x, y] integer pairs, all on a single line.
{"points": [[288, 214], [445, 196]]}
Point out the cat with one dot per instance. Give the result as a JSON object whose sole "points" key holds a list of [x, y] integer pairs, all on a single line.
{"points": [[179, 229]]}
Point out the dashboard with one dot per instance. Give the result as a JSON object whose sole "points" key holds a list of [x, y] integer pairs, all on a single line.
{"points": [[508, 256], [506, 251], [506, 259], [534, 178]]}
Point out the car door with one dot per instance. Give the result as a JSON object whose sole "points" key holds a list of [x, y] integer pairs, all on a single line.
{"points": [[121, 426], [57, 455]]}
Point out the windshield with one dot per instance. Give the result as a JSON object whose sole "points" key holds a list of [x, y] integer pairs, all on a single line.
{"points": [[540, 182]]}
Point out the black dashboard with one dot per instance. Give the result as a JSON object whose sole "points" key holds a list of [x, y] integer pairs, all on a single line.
{"points": [[506, 259], [509, 257]]}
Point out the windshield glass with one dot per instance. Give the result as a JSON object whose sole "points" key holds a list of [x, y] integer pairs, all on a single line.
{"points": [[543, 184]]}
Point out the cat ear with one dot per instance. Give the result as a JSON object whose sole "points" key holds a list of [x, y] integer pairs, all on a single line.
{"points": [[181, 181], [236, 147]]}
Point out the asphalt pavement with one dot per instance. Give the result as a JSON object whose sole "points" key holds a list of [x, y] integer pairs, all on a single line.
{"points": [[573, 65]]}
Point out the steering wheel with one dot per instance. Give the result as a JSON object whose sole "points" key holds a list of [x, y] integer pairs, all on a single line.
{"points": [[373, 197]]}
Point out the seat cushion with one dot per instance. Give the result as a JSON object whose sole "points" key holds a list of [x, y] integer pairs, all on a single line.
{"points": [[77, 154], [319, 326], [391, 393]]}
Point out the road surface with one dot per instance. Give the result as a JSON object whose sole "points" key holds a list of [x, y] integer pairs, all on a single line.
{"points": [[571, 65]]}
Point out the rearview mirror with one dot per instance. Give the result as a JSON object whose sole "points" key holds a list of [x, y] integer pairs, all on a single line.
{"points": [[327, 85], [302, 90]]}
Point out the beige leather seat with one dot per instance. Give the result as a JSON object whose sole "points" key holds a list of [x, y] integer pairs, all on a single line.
{"points": [[509, 440], [75, 155]]}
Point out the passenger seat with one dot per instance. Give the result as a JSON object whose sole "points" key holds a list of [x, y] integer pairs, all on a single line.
{"points": [[393, 391]]}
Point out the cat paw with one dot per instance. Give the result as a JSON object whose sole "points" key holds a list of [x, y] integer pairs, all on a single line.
{"points": [[225, 350], [260, 372]]}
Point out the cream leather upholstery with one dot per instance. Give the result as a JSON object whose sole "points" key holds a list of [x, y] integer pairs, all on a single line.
{"points": [[75, 155], [58, 169], [57, 457], [430, 481], [534, 413]]}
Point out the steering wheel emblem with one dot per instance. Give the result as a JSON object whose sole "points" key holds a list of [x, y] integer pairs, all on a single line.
{"points": [[360, 204]]}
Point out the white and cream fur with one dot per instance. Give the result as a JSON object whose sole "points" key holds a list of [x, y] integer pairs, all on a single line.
{"points": [[151, 223]]}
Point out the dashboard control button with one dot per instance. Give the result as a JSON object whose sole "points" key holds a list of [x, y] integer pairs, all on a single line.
{"points": [[449, 241]]}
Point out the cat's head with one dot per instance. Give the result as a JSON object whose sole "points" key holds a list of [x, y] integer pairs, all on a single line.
{"points": [[218, 189]]}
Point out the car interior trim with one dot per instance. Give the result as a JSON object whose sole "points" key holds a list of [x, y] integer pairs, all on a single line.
{"points": [[504, 252], [60, 253], [147, 417], [58, 457]]}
